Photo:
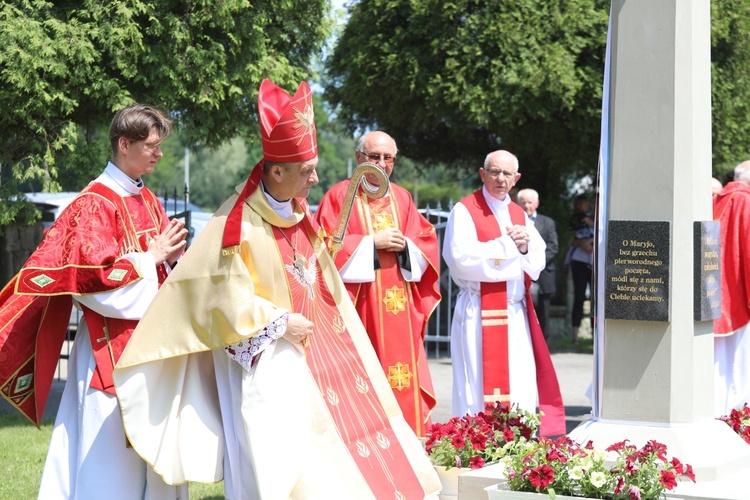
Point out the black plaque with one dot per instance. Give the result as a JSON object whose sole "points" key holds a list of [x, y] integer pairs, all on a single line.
{"points": [[706, 270], [637, 271]]}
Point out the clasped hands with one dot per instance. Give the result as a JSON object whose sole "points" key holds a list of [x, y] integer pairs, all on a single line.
{"points": [[169, 245], [520, 236], [390, 239]]}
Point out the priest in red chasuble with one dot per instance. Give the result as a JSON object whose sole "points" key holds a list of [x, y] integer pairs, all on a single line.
{"points": [[262, 374], [108, 253], [390, 266], [732, 338], [497, 346]]}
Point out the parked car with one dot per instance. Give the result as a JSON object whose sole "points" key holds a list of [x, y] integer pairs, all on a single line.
{"points": [[52, 204]]}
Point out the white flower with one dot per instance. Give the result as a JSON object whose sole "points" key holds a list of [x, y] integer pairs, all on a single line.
{"points": [[577, 473], [598, 479]]}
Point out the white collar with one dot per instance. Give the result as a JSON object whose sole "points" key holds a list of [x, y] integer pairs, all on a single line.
{"points": [[283, 208], [494, 203], [128, 184]]}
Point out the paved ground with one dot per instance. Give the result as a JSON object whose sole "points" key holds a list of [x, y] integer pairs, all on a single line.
{"points": [[573, 371]]}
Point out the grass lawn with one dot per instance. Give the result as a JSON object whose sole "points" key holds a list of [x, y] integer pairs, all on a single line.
{"points": [[23, 449]]}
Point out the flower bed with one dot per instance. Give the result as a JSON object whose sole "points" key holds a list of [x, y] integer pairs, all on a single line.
{"points": [[473, 441], [563, 467]]}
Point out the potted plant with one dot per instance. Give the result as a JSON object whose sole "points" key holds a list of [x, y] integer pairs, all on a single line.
{"points": [[470, 442], [564, 467]]}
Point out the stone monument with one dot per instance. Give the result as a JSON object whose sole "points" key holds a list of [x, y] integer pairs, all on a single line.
{"points": [[657, 282]]}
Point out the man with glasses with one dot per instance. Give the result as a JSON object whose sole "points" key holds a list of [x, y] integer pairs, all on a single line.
{"points": [[108, 252], [497, 347], [389, 264]]}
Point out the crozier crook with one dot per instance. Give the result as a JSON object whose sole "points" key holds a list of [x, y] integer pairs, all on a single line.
{"points": [[358, 178]]}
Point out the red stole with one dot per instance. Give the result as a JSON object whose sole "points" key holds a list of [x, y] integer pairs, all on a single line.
{"points": [[340, 375], [496, 377]]}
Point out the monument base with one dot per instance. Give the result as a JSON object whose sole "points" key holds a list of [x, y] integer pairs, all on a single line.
{"points": [[720, 458]]}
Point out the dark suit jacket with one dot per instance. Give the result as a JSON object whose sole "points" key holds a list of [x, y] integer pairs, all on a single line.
{"points": [[546, 228]]}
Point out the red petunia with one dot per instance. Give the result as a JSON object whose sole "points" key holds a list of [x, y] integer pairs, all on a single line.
{"points": [[542, 476], [476, 462], [655, 447], [689, 472], [668, 479], [620, 484], [458, 441]]}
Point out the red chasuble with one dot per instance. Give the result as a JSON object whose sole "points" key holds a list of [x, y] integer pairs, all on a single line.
{"points": [[394, 312], [732, 208], [79, 255], [340, 375], [496, 377]]}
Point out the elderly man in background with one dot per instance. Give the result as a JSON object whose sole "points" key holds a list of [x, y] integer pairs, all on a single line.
{"points": [[390, 265], [732, 340], [543, 288], [497, 347]]}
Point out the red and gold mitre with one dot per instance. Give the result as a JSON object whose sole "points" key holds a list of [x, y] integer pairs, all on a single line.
{"points": [[287, 130], [287, 124]]}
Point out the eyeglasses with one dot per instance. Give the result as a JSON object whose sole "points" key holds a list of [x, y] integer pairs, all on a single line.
{"points": [[494, 174], [388, 159]]}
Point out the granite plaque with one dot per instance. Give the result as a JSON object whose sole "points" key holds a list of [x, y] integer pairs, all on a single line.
{"points": [[637, 271], [706, 270]]}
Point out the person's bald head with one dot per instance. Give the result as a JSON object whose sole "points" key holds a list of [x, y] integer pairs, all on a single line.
{"points": [[529, 200], [379, 148], [742, 172]]}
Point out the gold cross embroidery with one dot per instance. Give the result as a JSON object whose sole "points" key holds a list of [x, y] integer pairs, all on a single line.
{"points": [[399, 376], [497, 395], [496, 262], [395, 300], [381, 221]]}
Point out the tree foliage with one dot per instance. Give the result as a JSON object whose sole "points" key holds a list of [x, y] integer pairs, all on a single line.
{"points": [[452, 81], [67, 66], [730, 85]]}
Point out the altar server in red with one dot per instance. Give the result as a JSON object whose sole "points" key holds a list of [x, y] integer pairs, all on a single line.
{"points": [[497, 346], [108, 252], [390, 265]]}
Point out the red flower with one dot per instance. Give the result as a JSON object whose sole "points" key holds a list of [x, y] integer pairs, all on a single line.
{"points": [[476, 462], [458, 441], [689, 472], [542, 476], [508, 435], [655, 447], [613, 447], [478, 441], [620, 484], [668, 479]]}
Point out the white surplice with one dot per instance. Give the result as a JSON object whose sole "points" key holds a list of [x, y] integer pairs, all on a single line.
{"points": [[88, 456], [471, 262]]}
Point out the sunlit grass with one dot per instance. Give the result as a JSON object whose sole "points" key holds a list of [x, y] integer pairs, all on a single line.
{"points": [[23, 449]]}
